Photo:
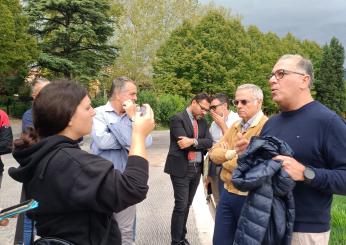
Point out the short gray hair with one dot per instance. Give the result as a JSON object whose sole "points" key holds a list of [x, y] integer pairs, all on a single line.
{"points": [[118, 84], [254, 89], [303, 64]]}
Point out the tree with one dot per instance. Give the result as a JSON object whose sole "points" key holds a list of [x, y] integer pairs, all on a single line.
{"points": [[216, 54], [144, 26], [202, 57], [18, 49], [330, 84], [73, 36]]}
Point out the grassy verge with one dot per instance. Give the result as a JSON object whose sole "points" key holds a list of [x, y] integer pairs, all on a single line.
{"points": [[338, 234]]}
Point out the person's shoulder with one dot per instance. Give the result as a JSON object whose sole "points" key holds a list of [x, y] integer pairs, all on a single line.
{"points": [[3, 114], [27, 113], [178, 115], [101, 108], [82, 158], [321, 113], [213, 125], [4, 119]]}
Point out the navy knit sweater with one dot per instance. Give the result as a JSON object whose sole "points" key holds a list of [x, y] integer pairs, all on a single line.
{"points": [[317, 137]]}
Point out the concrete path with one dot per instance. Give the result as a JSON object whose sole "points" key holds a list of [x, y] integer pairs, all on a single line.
{"points": [[153, 214]]}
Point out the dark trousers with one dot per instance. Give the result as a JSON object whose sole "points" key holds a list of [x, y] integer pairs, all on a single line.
{"points": [[226, 219], [184, 191]]}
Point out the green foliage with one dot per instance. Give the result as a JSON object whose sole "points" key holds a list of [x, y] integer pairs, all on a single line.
{"points": [[164, 106], [18, 49], [18, 108], [98, 101], [217, 54], [200, 58], [143, 26], [330, 84], [73, 36], [338, 233]]}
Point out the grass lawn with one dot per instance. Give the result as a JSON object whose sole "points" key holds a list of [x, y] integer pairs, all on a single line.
{"points": [[338, 234]]}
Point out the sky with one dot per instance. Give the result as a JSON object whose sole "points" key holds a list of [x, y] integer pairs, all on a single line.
{"points": [[317, 20]]}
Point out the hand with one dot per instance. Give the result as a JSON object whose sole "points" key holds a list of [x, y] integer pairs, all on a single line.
{"points": [[185, 142], [144, 124], [130, 108], [241, 144], [4, 222], [294, 168], [219, 120], [223, 145]]}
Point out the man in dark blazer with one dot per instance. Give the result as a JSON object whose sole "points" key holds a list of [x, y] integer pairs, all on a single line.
{"points": [[189, 141]]}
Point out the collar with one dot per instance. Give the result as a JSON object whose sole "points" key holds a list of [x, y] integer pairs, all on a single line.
{"points": [[190, 114], [254, 121], [109, 107]]}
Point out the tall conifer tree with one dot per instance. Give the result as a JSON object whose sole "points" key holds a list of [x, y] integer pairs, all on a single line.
{"points": [[330, 84]]}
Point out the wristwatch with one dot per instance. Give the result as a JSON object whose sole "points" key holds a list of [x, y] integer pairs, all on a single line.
{"points": [[309, 175]]}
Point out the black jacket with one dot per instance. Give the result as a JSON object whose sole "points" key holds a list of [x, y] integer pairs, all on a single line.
{"points": [[268, 213], [77, 191], [180, 125]]}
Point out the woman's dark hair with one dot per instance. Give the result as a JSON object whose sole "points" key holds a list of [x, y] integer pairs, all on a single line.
{"points": [[53, 109]]}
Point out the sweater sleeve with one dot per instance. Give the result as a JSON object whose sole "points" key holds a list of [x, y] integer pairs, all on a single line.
{"points": [[333, 178], [218, 153], [102, 188]]}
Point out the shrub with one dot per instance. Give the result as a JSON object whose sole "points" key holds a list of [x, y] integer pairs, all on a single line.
{"points": [[18, 108], [148, 97], [98, 101], [167, 106]]}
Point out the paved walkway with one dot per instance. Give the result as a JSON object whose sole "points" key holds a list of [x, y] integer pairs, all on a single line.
{"points": [[153, 214]]}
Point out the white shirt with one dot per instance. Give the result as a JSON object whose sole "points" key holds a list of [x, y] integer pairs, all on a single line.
{"points": [[215, 130]]}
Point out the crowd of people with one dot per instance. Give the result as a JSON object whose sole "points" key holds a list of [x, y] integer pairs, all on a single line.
{"points": [[297, 157]]}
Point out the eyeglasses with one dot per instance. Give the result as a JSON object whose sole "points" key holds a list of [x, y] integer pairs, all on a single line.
{"points": [[213, 107], [279, 74], [243, 102], [203, 108]]}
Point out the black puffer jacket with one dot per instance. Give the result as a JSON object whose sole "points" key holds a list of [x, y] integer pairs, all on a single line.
{"points": [[268, 214]]}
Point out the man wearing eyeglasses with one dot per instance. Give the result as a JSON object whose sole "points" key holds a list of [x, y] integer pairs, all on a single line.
{"points": [[248, 101], [317, 137], [223, 118], [189, 141]]}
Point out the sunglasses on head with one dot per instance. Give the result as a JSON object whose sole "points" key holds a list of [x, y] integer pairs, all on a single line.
{"points": [[243, 102]]}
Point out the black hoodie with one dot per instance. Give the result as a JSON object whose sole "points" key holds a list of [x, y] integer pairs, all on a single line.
{"points": [[77, 191]]}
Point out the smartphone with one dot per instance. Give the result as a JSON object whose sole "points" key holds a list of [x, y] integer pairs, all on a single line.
{"points": [[18, 209], [142, 110]]}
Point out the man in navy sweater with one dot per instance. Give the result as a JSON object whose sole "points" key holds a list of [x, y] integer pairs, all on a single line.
{"points": [[317, 136]]}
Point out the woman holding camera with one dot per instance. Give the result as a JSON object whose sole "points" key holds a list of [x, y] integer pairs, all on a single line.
{"points": [[77, 191]]}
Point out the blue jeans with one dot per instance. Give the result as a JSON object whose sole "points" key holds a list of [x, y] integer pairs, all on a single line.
{"points": [[27, 230], [227, 215]]}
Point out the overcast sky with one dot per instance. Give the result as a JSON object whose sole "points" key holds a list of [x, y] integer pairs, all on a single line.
{"points": [[317, 20]]}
